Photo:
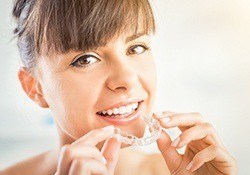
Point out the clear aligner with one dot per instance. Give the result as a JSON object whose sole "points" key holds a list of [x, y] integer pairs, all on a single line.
{"points": [[155, 131]]}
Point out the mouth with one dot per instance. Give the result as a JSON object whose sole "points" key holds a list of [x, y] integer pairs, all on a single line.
{"points": [[123, 115]]}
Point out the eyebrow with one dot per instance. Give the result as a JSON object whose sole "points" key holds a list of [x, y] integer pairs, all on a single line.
{"points": [[133, 37]]}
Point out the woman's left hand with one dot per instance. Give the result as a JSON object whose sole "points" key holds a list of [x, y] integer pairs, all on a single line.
{"points": [[204, 154]]}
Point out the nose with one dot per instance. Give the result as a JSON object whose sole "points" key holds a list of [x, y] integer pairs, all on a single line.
{"points": [[123, 77]]}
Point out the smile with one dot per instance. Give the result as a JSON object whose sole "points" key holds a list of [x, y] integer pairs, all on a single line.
{"points": [[123, 110], [123, 115]]}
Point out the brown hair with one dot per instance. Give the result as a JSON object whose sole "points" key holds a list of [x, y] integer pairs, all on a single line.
{"points": [[46, 26]]}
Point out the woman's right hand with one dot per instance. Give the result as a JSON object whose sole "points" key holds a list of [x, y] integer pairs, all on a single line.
{"points": [[82, 157]]}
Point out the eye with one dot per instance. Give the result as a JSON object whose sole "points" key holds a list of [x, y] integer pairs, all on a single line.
{"points": [[137, 49], [84, 60]]}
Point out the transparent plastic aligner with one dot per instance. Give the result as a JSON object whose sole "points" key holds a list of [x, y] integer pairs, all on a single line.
{"points": [[130, 139]]}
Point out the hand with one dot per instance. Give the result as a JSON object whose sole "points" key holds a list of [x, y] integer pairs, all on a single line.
{"points": [[82, 157], [204, 153]]}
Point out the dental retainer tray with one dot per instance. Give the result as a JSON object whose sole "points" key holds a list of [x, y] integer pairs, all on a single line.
{"points": [[154, 128]]}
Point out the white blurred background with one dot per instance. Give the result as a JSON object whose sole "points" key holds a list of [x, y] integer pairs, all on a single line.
{"points": [[202, 52]]}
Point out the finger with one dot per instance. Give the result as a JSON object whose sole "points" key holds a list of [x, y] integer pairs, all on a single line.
{"points": [[172, 158], [181, 120], [87, 167], [70, 152], [203, 131], [110, 151], [210, 153], [163, 114], [96, 136]]}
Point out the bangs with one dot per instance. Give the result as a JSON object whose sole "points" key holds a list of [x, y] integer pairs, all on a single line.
{"points": [[81, 25]]}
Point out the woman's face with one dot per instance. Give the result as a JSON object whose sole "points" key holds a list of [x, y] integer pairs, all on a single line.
{"points": [[122, 71]]}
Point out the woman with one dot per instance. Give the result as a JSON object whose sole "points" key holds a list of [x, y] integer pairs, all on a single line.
{"points": [[89, 60]]}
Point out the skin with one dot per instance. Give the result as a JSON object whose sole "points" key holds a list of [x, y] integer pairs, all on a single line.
{"points": [[75, 94], [204, 153]]}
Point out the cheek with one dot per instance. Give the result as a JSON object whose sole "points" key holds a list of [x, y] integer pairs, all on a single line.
{"points": [[148, 71], [71, 99], [148, 78]]}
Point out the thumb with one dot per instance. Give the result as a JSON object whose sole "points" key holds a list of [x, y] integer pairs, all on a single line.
{"points": [[172, 158], [110, 151]]}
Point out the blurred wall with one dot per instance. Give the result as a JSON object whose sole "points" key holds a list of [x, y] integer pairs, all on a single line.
{"points": [[202, 53]]}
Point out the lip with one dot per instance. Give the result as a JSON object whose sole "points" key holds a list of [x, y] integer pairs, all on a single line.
{"points": [[123, 103], [126, 120]]}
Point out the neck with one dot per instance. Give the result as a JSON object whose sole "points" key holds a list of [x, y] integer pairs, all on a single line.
{"points": [[64, 138]]}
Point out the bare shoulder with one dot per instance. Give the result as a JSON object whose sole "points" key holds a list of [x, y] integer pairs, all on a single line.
{"points": [[141, 163], [44, 163], [154, 164]]}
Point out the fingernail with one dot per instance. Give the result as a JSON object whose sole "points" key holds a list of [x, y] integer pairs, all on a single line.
{"points": [[108, 128], [165, 119], [175, 142], [104, 160], [189, 166]]}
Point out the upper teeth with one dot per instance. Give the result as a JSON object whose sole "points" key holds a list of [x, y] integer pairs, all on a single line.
{"points": [[121, 110]]}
